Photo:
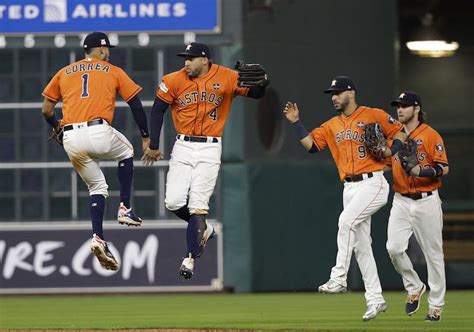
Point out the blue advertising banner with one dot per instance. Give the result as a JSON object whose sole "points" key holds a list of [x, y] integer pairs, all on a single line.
{"points": [[56, 258], [74, 16]]}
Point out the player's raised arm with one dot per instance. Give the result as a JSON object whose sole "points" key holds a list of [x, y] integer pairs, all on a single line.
{"points": [[291, 113], [140, 119], [153, 153]]}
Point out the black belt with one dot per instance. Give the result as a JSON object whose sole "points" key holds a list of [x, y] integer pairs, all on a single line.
{"points": [[357, 178], [196, 139], [89, 123], [417, 196]]}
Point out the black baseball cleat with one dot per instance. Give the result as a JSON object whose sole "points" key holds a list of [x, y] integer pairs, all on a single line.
{"points": [[187, 267], [413, 301], [208, 234], [127, 216], [101, 250]]}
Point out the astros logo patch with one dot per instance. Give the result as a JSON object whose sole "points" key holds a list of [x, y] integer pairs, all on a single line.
{"points": [[216, 86], [360, 124], [439, 147], [419, 142], [391, 120]]}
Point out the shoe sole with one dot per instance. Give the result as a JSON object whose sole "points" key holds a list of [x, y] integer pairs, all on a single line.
{"points": [[104, 261], [323, 291], [186, 274], [128, 222], [423, 290], [204, 243]]}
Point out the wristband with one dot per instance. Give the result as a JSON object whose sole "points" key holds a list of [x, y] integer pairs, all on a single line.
{"points": [[396, 144], [427, 173], [300, 130]]}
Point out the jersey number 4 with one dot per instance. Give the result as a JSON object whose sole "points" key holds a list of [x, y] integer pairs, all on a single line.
{"points": [[213, 114], [85, 86]]}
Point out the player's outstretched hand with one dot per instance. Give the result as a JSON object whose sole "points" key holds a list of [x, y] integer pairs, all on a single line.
{"points": [[150, 156], [291, 112]]}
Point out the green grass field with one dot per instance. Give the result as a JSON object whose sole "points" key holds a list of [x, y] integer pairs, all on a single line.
{"points": [[290, 311]]}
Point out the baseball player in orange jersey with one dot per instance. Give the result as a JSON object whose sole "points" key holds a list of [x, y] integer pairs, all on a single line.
{"points": [[365, 188], [417, 209], [88, 88], [200, 96]]}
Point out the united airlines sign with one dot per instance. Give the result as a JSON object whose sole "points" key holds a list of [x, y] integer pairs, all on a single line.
{"points": [[73, 16]]}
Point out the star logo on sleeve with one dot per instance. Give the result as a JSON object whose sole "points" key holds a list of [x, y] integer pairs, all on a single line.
{"points": [[391, 120], [439, 147]]}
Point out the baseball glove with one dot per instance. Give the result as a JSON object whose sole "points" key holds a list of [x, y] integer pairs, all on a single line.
{"points": [[251, 74], [408, 155], [56, 136], [374, 140]]}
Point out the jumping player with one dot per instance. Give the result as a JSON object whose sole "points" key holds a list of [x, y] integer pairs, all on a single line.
{"points": [[88, 88], [417, 209], [200, 96], [365, 188]]}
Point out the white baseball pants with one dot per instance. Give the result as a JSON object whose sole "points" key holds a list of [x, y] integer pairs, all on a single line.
{"points": [[361, 200], [85, 146], [193, 170], [424, 219]]}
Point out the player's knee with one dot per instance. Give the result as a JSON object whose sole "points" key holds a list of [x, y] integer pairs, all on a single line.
{"points": [[394, 249], [174, 203], [98, 188], [345, 224]]}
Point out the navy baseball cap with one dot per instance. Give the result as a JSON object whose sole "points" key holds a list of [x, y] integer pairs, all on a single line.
{"points": [[97, 39], [341, 83], [196, 50], [407, 98]]}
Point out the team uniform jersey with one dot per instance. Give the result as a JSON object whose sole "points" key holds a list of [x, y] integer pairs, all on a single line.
{"points": [[88, 88], [344, 137], [431, 151], [200, 106]]}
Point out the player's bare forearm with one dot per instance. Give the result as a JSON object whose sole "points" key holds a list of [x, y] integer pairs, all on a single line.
{"points": [[401, 135], [48, 107], [48, 113], [307, 142]]}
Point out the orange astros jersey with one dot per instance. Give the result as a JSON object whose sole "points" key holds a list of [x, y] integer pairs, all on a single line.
{"points": [[200, 106], [88, 88], [344, 137], [431, 151]]}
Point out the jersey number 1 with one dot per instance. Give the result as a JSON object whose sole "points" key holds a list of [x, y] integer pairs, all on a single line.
{"points": [[85, 86]]}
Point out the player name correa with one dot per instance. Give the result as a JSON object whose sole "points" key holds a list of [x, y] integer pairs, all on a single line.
{"points": [[86, 67]]}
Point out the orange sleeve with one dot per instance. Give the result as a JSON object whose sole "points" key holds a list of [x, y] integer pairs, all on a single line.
{"points": [[319, 136], [389, 124], [165, 90], [52, 91], [437, 149], [127, 88]]}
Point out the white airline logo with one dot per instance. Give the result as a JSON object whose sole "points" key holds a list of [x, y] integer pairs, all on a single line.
{"points": [[55, 11]]}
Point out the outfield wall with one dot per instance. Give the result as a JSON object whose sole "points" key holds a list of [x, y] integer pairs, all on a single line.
{"points": [[280, 224]]}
